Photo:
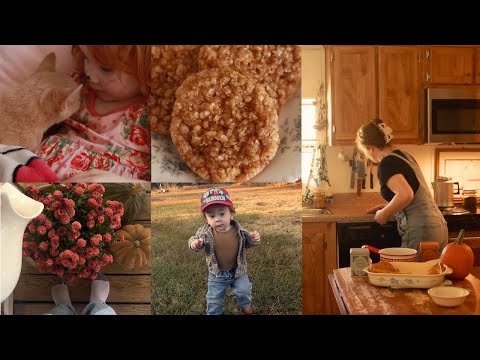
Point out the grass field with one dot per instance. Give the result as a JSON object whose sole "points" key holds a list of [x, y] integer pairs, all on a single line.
{"points": [[179, 278]]}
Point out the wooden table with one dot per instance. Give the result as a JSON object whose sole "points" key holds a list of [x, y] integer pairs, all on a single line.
{"points": [[356, 296], [130, 290]]}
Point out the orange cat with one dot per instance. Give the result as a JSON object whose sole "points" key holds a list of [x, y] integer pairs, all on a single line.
{"points": [[44, 99]]}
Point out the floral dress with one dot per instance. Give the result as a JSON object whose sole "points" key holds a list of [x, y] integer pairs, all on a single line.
{"points": [[118, 141]]}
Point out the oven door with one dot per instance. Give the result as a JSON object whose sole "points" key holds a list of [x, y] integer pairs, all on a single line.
{"points": [[354, 235]]}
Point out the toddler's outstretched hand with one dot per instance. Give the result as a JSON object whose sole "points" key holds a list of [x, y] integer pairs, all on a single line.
{"points": [[196, 244], [255, 236]]}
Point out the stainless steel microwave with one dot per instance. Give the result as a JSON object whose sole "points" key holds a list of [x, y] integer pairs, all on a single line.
{"points": [[453, 115]]}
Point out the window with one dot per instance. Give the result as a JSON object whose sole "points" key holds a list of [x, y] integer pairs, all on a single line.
{"points": [[309, 134]]}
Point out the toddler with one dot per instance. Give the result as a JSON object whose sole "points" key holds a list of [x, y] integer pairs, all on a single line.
{"points": [[224, 241]]}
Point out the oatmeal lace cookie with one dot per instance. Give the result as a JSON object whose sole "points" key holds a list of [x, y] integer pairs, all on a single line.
{"points": [[224, 125], [278, 67], [171, 64]]}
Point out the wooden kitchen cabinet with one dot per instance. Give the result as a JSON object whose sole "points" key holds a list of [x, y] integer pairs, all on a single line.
{"points": [[351, 83], [400, 94], [365, 82], [451, 65], [319, 258]]}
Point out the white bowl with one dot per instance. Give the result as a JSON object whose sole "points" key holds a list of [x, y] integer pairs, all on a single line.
{"points": [[448, 295], [398, 254]]}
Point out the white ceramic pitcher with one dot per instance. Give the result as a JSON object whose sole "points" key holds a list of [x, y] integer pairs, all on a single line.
{"points": [[16, 211]]}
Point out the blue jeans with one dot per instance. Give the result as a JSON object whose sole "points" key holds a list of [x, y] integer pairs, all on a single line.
{"points": [[94, 308], [218, 284]]}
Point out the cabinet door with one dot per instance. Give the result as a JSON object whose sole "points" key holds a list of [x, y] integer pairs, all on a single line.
{"points": [[318, 259], [331, 264], [400, 92], [352, 81], [477, 65], [451, 65]]}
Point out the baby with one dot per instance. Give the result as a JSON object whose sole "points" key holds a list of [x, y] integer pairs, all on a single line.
{"points": [[225, 242], [111, 131]]}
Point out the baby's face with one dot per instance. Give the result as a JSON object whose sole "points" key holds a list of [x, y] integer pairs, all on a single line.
{"points": [[109, 84], [219, 217]]}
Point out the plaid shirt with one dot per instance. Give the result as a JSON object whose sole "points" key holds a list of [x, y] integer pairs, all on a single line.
{"points": [[206, 233]]}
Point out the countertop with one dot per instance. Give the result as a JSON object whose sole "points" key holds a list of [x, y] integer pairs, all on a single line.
{"points": [[345, 207], [356, 296], [348, 207]]}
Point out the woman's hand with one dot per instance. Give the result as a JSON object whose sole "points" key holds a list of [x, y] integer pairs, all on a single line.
{"points": [[403, 197], [375, 208], [255, 236], [381, 217]]}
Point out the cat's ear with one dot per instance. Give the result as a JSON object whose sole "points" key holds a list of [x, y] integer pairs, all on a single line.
{"points": [[62, 101], [47, 64], [72, 101]]}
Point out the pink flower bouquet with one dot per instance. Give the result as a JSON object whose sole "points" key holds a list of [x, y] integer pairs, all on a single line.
{"points": [[71, 236]]}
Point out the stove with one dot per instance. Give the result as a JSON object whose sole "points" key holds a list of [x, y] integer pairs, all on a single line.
{"points": [[458, 218], [454, 211]]}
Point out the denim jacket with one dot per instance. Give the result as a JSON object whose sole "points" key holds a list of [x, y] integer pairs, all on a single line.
{"points": [[206, 233]]}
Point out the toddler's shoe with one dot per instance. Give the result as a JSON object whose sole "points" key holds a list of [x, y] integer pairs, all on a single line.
{"points": [[248, 310]]}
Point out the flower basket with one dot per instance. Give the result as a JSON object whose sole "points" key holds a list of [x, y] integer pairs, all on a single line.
{"points": [[71, 237]]}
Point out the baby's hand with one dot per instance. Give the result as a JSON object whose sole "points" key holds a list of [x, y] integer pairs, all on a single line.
{"points": [[196, 244], [255, 236]]}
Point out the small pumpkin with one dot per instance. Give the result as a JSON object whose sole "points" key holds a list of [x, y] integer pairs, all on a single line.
{"points": [[459, 257], [132, 195], [135, 251]]}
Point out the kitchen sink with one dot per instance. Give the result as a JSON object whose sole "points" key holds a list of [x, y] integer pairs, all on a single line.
{"points": [[312, 211]]}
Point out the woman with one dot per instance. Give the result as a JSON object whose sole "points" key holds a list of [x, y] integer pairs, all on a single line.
{"points": [[402, 184]]}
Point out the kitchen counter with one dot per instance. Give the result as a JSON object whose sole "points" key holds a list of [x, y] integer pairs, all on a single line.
{"points": [[345, 207], [356, 296], [348, 207]]}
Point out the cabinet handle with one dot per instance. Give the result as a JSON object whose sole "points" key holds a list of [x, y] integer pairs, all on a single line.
{"points": [[427, 54], [331, 57], [334, 129], [428, 76]]}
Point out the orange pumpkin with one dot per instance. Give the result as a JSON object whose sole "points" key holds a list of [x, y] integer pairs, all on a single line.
{"points": [[459, 257], [136, 250]]}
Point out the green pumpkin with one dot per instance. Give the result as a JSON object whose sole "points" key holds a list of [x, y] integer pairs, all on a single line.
{"points": [[132, 195]]}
